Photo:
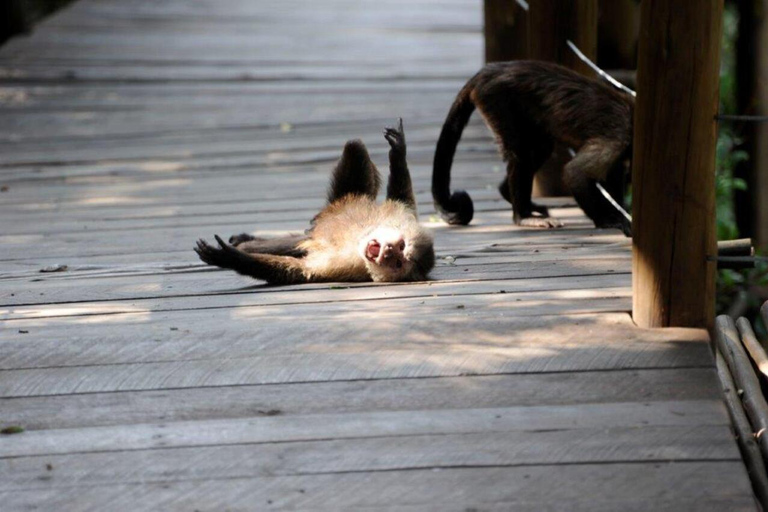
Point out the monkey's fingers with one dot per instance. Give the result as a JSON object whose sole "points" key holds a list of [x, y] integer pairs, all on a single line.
{"points": [[400, 126], [223, 245], [214, 256], [205, 252], [395, 138], [202, 246]]}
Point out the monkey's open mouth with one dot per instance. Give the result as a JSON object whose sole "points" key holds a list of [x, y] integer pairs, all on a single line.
{"points": [[373, 250]]}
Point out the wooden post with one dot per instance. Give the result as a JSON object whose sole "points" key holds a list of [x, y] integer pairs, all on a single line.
{"points": [[552, 23], [617, 25], [760, 156], [673, 175], [751, 205], [506, 30]]}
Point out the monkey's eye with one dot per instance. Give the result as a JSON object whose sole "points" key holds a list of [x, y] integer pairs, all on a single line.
{"points": [[402, 245], [399, 264]]}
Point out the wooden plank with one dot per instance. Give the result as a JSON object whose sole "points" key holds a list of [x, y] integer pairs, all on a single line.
{"points": [[125, 177], [265, 215], [81, 247], [678, 487], [187, 186], [29, 272], [208, 281], [221, 335], [169, 259], [199, 134], [290, 429], [525, 447], [346, 397], [328, 297], [353, 362]]}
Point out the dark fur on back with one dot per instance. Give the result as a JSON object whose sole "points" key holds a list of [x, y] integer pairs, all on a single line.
{"points": [[530, 106]]}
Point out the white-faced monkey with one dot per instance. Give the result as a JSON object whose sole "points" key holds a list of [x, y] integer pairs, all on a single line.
{"points": [[352, 239], [530, 106]]}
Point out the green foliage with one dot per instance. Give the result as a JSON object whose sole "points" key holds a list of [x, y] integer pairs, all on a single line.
{"points": [[727, 155], [725, 184], [738, 292]]}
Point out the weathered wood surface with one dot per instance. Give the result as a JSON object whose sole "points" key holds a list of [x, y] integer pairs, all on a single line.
{"points": [[673, 191], [148, 381]]}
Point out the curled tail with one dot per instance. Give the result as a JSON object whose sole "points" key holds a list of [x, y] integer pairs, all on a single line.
{"points": [[454, 208]]}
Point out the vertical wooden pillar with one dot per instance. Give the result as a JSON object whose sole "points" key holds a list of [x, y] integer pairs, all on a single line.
{"points": [[751, 205], [617, 25], [506, 30], [552, 23], [760, 156], [673, 178]]}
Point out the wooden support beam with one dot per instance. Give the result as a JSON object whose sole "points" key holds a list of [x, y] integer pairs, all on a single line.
{"points": [[751, 205], [552, 23], [673, 176], [617, 26], [506, 30]]}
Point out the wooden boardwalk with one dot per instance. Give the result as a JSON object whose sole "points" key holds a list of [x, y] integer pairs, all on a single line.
{"points": [[144, 380]]}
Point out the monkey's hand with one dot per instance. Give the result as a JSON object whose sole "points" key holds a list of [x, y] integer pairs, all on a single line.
{"points": [[225, 256], [396, 139]]}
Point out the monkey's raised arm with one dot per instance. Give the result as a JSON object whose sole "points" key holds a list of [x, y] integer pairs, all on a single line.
{"points": [[399, 186], [272, 269], [355, 173]]}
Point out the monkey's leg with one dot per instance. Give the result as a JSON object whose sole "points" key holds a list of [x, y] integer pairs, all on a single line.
{"points": [[504, 190], [520, 172], [355, 173], [399, 187], [283, 246], [270, 268], [591, 163], [615, 182]]}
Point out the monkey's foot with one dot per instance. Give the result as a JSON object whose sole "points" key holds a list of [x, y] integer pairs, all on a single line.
{"points": [[540, 222], [541, 210], [396, 138], [239, 239], [224, 256]]}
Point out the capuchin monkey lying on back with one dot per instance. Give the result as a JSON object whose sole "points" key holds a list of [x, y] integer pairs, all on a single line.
{"points": [[530, 106], [352, 239]]}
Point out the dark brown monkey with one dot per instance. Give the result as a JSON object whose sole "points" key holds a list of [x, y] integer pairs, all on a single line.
{"points": [[531, 106], [352, 239]]}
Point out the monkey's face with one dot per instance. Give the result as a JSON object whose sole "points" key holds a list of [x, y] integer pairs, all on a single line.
{"points": [[385, 252]]}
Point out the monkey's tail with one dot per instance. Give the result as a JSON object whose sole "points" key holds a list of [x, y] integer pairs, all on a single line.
{"points": [[457, 207]]}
